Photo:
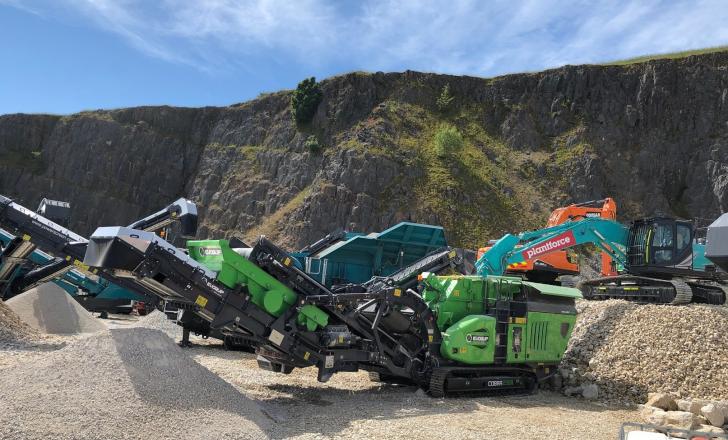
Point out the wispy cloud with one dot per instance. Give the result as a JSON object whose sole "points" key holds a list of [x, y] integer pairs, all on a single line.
{"points": [[466, 36], [128, 19], [19, 4], [207, 33]]}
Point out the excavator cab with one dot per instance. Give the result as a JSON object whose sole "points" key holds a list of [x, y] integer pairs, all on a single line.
{"points": [[660, 242]]}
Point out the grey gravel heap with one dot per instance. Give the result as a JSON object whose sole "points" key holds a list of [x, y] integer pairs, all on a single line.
{"points": [[157, 320], [12, 329], [630, 350], [51, 310], [123, 383]]}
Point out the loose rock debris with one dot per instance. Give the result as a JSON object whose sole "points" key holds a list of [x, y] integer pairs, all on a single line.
{"points": [[630, 350]]}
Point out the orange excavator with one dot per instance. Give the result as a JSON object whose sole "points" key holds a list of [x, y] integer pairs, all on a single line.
{"points": [[547, 268]]}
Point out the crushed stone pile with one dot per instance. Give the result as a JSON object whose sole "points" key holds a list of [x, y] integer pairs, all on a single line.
{"points": [[157, 320], [629, 350], [13, 330], [50, 309], [124, 383]]}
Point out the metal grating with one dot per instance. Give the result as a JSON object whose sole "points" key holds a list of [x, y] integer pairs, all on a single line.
{"points": [[637, 249], [537, 335]]}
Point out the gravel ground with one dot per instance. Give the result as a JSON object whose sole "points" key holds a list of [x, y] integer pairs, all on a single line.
{"points": [[19, 342], [134, 382], [122, 383], [50, 309], [351, 406], [629, 350]]}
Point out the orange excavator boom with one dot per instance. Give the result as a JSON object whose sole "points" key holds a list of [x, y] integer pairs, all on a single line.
{"points": [[548, 267]]}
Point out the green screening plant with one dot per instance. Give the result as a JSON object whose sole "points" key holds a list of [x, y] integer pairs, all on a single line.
{"points": [[448, 140], [305, 100]]}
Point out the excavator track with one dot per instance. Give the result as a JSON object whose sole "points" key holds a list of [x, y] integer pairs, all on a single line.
{"points": [[389, 379], [683, 292], [638, 289], [709, 293], [455, 381], [437, 382]]}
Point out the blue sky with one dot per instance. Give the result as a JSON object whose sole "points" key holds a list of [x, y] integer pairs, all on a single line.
{"points": [[63, 56]]}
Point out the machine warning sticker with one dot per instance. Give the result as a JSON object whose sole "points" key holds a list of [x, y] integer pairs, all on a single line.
{"points": [[80, 265], [559, 242], [201, 301], [477, 339]]}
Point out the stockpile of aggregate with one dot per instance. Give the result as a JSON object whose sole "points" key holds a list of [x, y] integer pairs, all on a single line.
{"points": [[157, 320], [50, 309], [12, 329], [124, 383], [629, 350]]}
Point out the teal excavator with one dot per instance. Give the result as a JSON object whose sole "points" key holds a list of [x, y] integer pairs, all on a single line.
{"points": [[663, 261]]}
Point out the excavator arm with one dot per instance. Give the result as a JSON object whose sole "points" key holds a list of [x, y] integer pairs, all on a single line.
{"points": [[609, 235]]}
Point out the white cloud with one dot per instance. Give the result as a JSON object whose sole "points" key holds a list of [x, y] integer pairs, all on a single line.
{"points": [[466, 36], [19, 4], [204, 33], [120, 17]]}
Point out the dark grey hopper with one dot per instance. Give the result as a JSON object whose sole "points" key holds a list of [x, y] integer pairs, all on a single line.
{"points": [[716, 249]]}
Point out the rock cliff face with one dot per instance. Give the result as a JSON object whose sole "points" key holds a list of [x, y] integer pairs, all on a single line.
{"points": [[652, 135]]}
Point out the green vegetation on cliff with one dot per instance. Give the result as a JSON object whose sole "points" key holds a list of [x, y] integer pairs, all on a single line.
{"points": [[668, 56]]}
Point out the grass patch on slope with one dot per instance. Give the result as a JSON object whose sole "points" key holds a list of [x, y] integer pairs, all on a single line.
{"points": [[31, 161], [666, 56], [469, 189], [270, 223]]}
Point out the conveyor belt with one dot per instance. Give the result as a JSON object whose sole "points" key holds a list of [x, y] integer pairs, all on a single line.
{"points": [[363, 331], [29, 234]]}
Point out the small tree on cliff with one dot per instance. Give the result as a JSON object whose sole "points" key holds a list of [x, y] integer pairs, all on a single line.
{"points": [[305, 100], [445, 99]]}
